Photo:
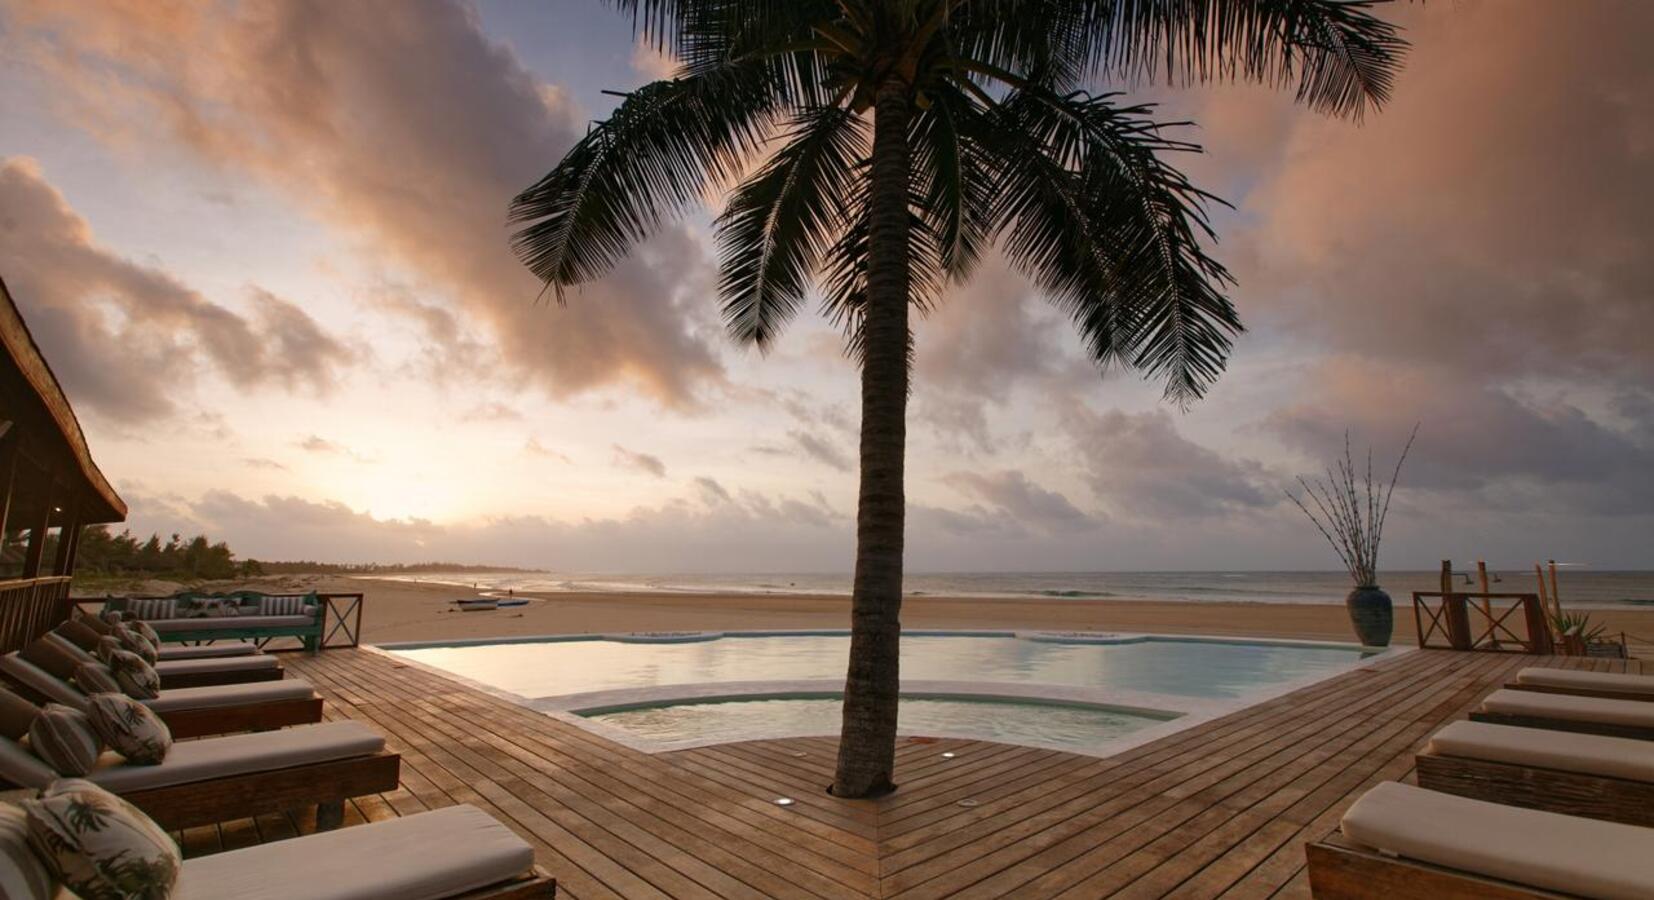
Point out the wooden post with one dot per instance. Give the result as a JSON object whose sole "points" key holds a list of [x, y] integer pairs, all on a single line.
{"points": [[1544, 593], [37, 543], [65, 561], [1556, 592], [1458, 621], [1447, 576], [1539, 633]]}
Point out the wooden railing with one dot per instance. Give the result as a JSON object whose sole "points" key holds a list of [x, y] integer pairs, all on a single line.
{"points": [[341, 621], [1499, 623], [30, 607]]}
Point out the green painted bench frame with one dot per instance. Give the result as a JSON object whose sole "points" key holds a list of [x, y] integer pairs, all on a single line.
{"points": [[309, 635]]}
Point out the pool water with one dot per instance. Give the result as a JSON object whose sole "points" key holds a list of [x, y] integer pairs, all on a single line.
{"points": [[1034, 723], [1189, 668]]}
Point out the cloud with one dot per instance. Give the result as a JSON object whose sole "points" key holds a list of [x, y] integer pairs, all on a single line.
{"points": [[1141, 466], [642, 462], [491, 412], [822, 450], [711, 491], [253, 462], [317, 444], [675, 536], [533, 447], [1011, 493], [404, 127], [1487, 445], [123, 336]]}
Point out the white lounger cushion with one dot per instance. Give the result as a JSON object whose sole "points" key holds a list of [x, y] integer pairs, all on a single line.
{"points": [[1567, 706], [1587, 754], [427, 856], [241, 754], [208, 697], [224, 664], [230, 623], [1539, 849], [1574, 679], [208, 651], [220, 695], [42, 682]]}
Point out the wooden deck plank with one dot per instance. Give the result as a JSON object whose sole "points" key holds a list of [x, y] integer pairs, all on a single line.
{"points": [[1221, 808]]}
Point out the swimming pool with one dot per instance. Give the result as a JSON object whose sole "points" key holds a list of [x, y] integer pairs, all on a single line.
{"points": [[1078, 691]]}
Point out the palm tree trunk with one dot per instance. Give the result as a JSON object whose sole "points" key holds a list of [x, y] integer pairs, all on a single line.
{"points": [[867, 743]]}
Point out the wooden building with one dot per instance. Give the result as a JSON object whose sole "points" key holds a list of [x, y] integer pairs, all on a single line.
{"points": [[50, 488]]}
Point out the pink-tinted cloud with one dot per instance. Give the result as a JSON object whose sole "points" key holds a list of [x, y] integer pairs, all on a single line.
{"points": [[404, 127], [124, 337]]}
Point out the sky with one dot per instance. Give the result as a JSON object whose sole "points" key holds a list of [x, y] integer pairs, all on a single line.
{"points": [[263, 246]]}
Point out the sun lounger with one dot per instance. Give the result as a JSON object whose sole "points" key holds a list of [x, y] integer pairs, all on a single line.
{"points": [[189, 712], [1576, 774], [208, 651], [1562, 712], [1401, 842], [446, 854], [179, 673], [1585, 684], [216, 779]]}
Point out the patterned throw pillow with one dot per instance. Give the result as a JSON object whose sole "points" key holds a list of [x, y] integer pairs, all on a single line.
{"points": [[137, 643], [100, 846], [23, 875], [107, 645], [147, 630], [136, 677], [130, 727], [95, 677], [63, 739]]}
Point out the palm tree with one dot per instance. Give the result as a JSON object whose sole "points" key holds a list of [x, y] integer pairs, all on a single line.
{"points": [[874, 149]]}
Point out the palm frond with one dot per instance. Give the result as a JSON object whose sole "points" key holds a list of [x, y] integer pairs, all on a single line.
{"points": [[844, 273], [1341, 58], [778, 224], [646, 162], [1094, 215], [953, 181]]}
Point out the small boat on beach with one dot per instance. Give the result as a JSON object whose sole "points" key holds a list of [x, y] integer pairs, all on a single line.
{"points": [[477, 603]]}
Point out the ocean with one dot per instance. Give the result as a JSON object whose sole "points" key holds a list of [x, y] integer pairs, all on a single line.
{"points": [[1582, 588]]}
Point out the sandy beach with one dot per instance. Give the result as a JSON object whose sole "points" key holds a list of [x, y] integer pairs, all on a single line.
{"points": [[410, 611]]}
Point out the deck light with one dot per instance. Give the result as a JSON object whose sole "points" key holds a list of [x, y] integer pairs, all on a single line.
{"points": [[948, 755], [783, 801], [969, 803]]}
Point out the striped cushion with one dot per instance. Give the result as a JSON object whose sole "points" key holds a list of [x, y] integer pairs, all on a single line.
{"points": [[63, 739], [289, 605], [137, 678], [280, 606], [152, 608], [94, 678], [22, 875], [130, 728]]}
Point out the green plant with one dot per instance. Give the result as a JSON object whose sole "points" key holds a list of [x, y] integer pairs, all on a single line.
{"points": [[1577, 624]]}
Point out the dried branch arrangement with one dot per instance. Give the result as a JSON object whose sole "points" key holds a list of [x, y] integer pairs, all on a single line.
{"points": [[1350, 512]]}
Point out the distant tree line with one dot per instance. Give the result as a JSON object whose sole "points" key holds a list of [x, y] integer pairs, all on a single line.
{"points": [[103, 553], [310, 567]]}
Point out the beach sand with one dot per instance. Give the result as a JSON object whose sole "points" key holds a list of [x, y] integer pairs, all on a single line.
{"points": [[409, 611]]}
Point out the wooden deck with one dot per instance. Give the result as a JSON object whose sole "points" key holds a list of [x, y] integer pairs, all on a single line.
{"points": [[1221, 809]]}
